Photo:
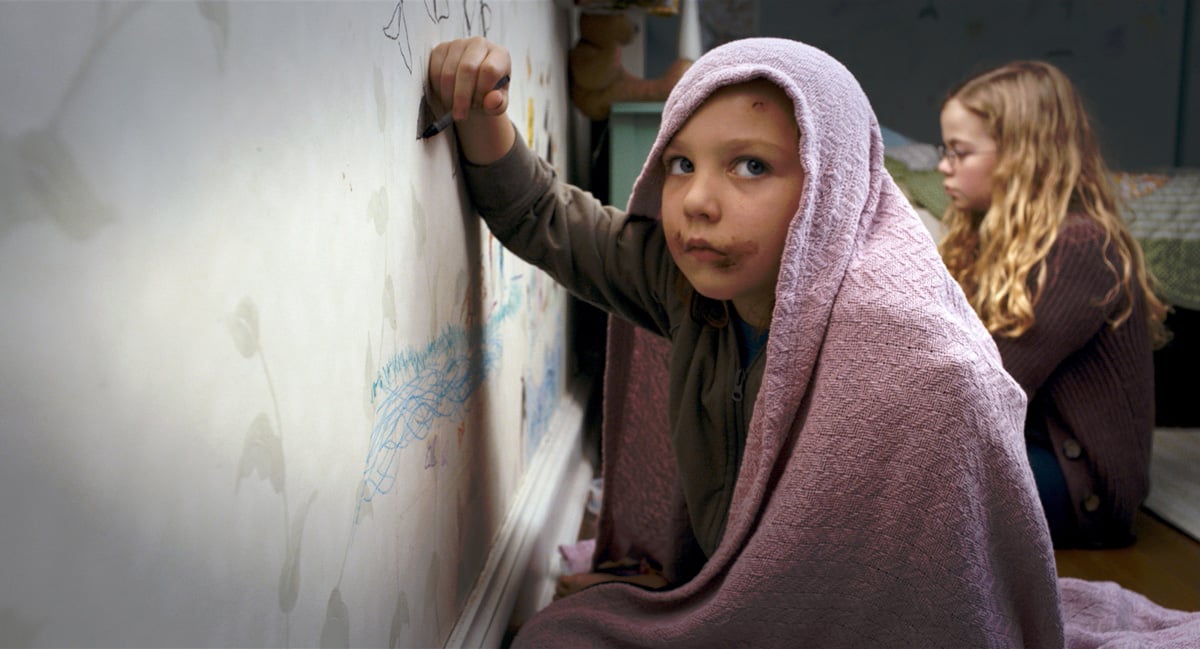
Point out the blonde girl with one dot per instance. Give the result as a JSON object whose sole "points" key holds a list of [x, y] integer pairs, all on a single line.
{"points": [[1036, 241]]}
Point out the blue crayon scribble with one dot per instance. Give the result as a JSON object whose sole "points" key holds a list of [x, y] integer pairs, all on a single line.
{"points": [[418, 387], [542, 400]]}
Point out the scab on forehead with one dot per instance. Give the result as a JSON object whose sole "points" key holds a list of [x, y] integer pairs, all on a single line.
{"points": [[770, 89]]}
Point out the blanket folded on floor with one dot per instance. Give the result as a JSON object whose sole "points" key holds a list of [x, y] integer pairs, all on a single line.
{"points": [[1104, 615]]}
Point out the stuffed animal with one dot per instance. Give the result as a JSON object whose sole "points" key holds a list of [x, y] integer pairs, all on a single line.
{"points": [[597, 76]]}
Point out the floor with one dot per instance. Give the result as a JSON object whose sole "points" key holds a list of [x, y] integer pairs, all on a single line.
{"points": [[1163, 565]]}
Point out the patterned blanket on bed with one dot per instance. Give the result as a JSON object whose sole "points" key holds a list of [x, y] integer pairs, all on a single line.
{"points": [[1162, 210]]}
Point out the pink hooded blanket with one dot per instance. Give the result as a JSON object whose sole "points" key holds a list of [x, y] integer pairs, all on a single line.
{"points": [[885, 499]]}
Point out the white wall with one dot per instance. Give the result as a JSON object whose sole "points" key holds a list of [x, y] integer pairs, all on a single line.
{"points": [[266, 380]]}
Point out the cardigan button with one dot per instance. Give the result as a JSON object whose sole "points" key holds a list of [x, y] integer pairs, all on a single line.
{"points": [[1091, 503], [1072, 449]]}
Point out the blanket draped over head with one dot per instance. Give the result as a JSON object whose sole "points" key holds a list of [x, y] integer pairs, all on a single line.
{"points": [[885, 498]]}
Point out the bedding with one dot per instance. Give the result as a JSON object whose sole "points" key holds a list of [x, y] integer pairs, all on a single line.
{"points": [[1162, 210]]}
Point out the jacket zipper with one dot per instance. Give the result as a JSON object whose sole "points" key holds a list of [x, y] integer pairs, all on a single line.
{"points": [[732, 442], [739, 406], [739, 395]]}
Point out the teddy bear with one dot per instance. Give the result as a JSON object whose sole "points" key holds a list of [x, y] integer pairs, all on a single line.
{"points": [[597, 77]]}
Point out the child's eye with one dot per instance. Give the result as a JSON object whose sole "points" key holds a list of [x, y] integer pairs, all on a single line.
{"points": [[750, 167], [679, 165]]}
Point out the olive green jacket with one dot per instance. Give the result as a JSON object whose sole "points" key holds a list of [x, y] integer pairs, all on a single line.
{"points": [[620, 263]]}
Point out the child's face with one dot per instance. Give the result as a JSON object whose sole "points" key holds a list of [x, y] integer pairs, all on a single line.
{"points": [[969, 159], [733, 184]]}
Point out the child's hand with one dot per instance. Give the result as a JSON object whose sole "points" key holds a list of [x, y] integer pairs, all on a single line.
{"points": [[463, 75], [463, 78]]}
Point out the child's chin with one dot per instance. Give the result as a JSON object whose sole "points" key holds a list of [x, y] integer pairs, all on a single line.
{"points": [[719, 294], [711, 284]]}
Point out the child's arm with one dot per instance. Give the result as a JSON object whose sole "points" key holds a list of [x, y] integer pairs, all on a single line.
{"points": [[462, 76], [615, 261]]}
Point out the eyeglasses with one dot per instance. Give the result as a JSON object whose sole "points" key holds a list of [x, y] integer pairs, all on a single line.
{"points": [[952, 156]]}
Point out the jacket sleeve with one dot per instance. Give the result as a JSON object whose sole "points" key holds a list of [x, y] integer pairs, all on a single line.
{"points": [[1070, 309], [616, 261]]}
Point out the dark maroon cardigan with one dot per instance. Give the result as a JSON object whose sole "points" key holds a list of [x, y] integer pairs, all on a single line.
{"points": [[1090, 385]]}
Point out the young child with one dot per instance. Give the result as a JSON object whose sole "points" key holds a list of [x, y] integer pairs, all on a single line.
{"points": [[840, 459], [1035, 240]]}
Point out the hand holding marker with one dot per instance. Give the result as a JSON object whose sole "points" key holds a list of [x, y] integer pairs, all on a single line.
{"points": [[447, 118]]}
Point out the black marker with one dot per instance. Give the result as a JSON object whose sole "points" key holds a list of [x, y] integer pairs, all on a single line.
{"points": [[448, 118]]}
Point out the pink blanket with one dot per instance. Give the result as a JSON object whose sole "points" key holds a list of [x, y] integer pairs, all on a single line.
{"points": [[885, 499]]}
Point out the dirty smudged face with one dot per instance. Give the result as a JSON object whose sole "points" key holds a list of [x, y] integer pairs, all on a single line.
{"points": [[733, 183]]}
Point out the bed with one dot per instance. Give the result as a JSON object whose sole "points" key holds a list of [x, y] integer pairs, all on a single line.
{"points": [[1162, 210]]}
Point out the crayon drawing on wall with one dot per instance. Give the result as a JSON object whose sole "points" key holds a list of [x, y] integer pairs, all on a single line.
{"points": [[263, 363]]}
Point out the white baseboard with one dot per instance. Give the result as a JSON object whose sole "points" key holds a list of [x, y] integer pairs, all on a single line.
{"points": [[521, 568]]}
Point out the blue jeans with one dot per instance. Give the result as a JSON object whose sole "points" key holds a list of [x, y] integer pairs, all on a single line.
{"points": [[1052, 490]]}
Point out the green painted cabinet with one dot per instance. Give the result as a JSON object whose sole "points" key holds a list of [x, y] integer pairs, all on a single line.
{"points": [[633, 127]]}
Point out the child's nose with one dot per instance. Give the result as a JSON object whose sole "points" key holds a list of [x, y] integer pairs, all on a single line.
{"points": [[944, 167], [700, 201]]}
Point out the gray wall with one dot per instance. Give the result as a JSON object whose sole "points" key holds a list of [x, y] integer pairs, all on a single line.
{"points": [[1131, 60]]}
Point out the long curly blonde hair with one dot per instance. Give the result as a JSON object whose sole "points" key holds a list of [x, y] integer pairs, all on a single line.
{"points": [[1048, 165]]}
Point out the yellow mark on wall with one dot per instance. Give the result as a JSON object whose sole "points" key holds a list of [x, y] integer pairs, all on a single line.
{"points": [[529, 123]]}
